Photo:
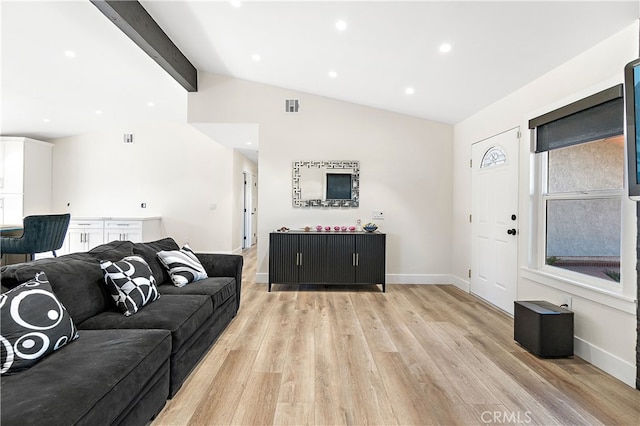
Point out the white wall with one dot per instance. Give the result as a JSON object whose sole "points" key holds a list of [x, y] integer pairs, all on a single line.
{"points": [[175, 169], [405, 168], [605, 322]]}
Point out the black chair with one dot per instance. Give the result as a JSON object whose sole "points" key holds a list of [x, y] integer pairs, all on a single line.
{"points": [[42, 233]]}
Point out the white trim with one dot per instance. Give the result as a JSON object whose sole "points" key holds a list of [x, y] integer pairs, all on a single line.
{"points": [[418, 279], [262, 278], [611, 364], [599, 295], [462, 284]]}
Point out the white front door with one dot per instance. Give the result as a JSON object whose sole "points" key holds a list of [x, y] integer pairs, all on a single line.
{"points": [[494, 221]]}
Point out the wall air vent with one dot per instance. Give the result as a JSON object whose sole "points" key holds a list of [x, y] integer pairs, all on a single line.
{"points": [[128, 138], [291, 105]]}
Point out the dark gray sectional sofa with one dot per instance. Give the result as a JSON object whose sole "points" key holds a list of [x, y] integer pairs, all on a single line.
{"points": [[121, 369]]}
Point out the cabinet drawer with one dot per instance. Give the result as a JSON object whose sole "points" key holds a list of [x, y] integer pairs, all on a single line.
{"points": [[123, 224], [86, 224]]}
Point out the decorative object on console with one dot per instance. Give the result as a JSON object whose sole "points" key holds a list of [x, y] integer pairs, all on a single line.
{"points": [[33, 323], [370, 227], [327, 228], [130, 282], [319, 228], [183, 265]]}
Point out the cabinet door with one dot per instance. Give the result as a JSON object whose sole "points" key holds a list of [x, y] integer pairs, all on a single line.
{"points": [[11, 209], [370, 261], [341, 255], [283, 258], [75, 241], [312, 260], [12, 166], [93, 238]]}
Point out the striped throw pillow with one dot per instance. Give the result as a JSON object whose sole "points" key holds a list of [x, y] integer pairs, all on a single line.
{"points": [[183, 265]]}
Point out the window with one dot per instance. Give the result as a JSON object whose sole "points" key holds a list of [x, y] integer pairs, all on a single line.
{"points": [[582, 202], [581, 151]]}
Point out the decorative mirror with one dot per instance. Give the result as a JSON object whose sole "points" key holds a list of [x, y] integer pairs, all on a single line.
{"points": [[326, 183]]}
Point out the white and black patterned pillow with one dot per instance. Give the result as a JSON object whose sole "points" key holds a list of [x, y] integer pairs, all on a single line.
{"points": [[33, 323], [130, 283], [183, 265]]}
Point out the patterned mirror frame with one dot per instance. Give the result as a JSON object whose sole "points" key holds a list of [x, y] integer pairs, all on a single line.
{"points": [[329, 165]]}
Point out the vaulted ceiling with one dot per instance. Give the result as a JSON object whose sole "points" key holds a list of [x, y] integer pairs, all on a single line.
{"points": [[66, 69]]}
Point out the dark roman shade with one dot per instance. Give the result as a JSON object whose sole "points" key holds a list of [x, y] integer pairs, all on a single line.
{"points": [[593, 118]]}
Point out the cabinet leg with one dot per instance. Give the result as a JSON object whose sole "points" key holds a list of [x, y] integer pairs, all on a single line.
{"points": [[269, 287]]}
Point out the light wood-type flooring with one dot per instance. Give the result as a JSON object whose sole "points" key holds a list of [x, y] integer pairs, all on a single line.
{"points": [[415, 355]]}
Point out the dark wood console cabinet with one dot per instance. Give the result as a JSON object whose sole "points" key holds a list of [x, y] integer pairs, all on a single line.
{"points": [[327, 258]]}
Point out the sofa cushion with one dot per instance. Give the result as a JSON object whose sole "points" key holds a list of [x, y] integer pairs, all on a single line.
{"points": [[183, 265], [130, 283], [182, 315], [33, 323], [114, 250], [149, 252], [76, 280], [92, 381], [219, 288]]}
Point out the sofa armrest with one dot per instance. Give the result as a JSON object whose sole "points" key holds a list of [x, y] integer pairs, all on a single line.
{"points": [[224, 265]]}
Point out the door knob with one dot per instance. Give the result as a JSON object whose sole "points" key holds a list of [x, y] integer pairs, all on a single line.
{"points": [[511, 231]]}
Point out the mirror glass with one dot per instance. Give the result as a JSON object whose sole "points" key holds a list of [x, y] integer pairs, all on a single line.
{"points": [[326, 183]]}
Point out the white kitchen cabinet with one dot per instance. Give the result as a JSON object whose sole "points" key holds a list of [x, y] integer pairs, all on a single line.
{"points": [[82, 235], [25, 178], [123, 230], [86, 233]]}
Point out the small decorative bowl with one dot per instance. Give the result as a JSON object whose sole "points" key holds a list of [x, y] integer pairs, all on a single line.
{"points": [[343, 228], [336, 228], [319, 228], [327, 228], [370, 227], [352, 228]]}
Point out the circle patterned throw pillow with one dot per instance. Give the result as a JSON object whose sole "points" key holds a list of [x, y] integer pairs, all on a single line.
{"points": [[33, 323]]}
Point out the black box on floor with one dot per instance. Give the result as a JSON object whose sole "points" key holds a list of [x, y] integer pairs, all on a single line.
{"points": [[543, 328]]}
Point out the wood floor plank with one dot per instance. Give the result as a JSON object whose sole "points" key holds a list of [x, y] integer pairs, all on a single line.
{"points": [[415, 355], [298, 378], [294, 414], [219, 404], [257, 405]]}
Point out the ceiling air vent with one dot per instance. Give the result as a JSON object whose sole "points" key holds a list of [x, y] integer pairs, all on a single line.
{"points": [[291, 105]]}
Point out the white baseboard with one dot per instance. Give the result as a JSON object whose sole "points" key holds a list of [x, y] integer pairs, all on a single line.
{"points": [[607, 362], [462, 284], [262, 278], [418, 279]]}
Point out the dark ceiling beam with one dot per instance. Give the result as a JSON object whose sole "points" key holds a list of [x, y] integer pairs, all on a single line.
{"points": [[136, 23]]}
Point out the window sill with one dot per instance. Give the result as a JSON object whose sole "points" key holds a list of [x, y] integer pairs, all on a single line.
{"points": [[602, 296]]}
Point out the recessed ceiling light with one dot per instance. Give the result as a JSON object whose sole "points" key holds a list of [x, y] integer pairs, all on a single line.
{"points": [[333, 74], [69, 53], [150, 104], [341, 25], [256, 57], [409, 91], [445, 48], [46, 120], [249, 143], [235, 3], [98, 112]]}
